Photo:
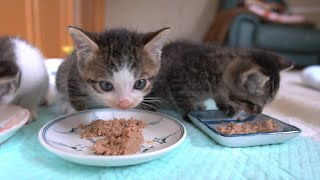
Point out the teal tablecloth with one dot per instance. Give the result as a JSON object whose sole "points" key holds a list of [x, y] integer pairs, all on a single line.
{"points": [[198, 157]]}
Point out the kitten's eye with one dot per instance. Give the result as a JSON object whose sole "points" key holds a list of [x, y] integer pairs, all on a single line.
{"points": [[140, 84], [106, 86]]}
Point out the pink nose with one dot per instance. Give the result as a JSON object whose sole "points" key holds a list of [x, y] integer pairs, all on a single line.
{"points": [[124, 103]]}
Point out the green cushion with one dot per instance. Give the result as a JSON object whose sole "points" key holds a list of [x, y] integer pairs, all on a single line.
{"points": [[300, 45], [242, 29], [287, 38]]}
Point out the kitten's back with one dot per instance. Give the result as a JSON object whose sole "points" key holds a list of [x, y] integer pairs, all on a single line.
{"points": [[26, 62], [31, 63]]}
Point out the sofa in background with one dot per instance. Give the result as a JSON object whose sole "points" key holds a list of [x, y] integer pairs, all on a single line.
{"points": [[300, 44]]}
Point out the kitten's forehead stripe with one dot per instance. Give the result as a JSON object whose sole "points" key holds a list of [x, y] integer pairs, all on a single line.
{"points": [[120, 47], [123, 78]]}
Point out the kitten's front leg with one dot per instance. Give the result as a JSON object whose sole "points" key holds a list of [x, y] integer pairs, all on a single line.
{"points": [[184, 101], [30, 102], [67, 108], [201, 106], [228, 107], [185, 107]]}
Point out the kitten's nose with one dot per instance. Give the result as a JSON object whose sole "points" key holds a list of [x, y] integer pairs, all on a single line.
{"points": [[124, 104]]}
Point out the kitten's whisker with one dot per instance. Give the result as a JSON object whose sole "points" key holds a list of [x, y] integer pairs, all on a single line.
{"points": [[140, 107], [155, 103], [149, 106], [153, 98]]}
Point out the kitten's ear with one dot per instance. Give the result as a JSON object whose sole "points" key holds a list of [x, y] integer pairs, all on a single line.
{"points": [[154, 42], [83, 44], [284, 64], [253, 81]]}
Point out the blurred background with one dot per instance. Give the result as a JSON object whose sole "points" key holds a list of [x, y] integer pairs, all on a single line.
{"points": [[293, 29]]}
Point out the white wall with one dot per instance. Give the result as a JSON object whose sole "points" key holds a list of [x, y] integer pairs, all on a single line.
{"points": [[187, 18]]}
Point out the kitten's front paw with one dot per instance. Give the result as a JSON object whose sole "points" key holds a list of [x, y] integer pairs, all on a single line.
{"points": [[231, 112], [184, 115], [33, 116], [228, 109], [201, 106], [67, 108]]}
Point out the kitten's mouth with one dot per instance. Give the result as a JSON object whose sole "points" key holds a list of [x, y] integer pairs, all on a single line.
{"points": [[127, 106], [119, 107]]}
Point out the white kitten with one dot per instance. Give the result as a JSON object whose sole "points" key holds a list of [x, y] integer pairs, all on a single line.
{"points": [[23, 75], [52, 65], [54, 100]]}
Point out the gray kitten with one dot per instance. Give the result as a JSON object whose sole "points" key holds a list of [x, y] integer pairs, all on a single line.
{"points": [[115, 68], [236, 79], [23, 75]]}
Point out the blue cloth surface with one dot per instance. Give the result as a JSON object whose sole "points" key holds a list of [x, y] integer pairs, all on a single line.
{"points": [[198, 157]]}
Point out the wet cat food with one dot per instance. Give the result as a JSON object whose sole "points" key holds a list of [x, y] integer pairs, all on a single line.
{"points": [[120, 136], [247, 127]]}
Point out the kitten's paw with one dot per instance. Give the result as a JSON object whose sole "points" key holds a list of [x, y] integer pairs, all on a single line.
{"points": [[230, 112], [186, 117], [228, 109], [67, 108], [184, 113], [33, 116], [201, 106]]}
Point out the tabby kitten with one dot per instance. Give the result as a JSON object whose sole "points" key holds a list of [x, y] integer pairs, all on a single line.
{"points": [[115, 68], [236, 79], [23, 75]]}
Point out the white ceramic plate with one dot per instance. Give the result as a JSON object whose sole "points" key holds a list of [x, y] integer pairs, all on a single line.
{"points": [[12, 118], [162, 134]]}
